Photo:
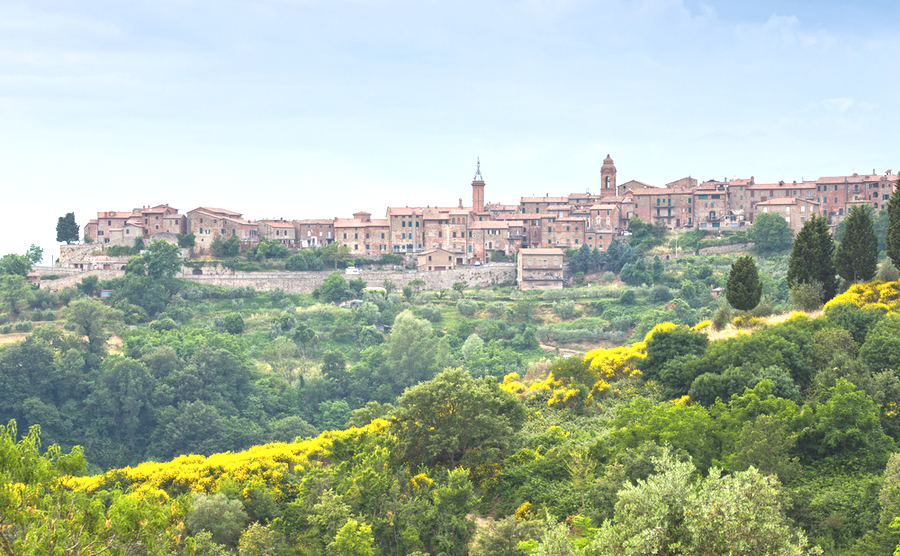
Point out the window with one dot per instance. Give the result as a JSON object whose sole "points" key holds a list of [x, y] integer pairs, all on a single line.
{"points": [[403, 224], [345, 236], [367, 247], [356, 247], [355, 236], [440, 234]]}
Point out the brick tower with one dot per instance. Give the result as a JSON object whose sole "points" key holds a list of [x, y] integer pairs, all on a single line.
{"points": [[478, 190], [608, 177]]}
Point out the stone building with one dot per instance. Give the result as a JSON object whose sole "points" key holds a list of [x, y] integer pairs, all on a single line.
{"points": [[795, 210], [836, 193], [540, 269], [208, 222], [671, 206], [608, 178], [486, 237], [437, 259], [363, 235], [407, 229], [281, 231], [313, 232]]}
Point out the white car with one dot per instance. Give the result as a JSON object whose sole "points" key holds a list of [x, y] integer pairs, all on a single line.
{"points": [[352, 270]]}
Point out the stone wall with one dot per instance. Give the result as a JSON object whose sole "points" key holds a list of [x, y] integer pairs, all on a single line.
{"points": [[306, 282], [58, 270], [61, 283], [727, 248]]}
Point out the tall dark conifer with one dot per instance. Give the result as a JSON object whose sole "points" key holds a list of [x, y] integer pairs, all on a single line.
{"points": [[893, 231], [857, 255], [743, 289], [812, 257]]}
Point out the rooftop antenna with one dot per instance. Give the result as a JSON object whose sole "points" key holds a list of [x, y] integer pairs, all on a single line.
{"points": [[478, 170]]}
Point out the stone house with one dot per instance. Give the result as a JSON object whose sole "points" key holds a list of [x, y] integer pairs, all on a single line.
{"points": [[362, 235], [671, 206], [206, 223], [313, 232], [761, 192], [836, 193], [437, 259], [281, 231], [407, 229], [540, 269], [795, 210], [485, 237]]}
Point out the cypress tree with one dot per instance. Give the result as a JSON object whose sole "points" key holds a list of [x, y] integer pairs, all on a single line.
{"points": [[67, 228], [893, 231], [743, 289], [812, 258], [857, 255]]}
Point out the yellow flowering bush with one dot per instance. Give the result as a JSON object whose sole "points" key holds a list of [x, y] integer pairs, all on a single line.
{"points": [[270, 463], [870, 295]]}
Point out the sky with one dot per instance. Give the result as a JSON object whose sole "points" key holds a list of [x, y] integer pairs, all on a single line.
{"points": [[318, 109]]}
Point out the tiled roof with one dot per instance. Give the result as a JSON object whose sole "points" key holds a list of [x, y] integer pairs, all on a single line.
{"points": [[276, 223], [404, 211], [555, 200], [489, 225], [786, 201], [320, 221], [854, 179], [217, 211], [542, 251]]}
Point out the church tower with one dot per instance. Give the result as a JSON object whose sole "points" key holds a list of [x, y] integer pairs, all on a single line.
{"points": [[478, 190], [608, 178]]}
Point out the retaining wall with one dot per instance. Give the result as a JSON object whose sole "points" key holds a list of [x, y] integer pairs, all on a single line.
{"points": [[306, 282]]}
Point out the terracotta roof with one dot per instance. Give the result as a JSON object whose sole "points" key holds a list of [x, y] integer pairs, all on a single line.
{"points": [[855, 179], [785, 185], [604, 207], [559, 207], [276, 223], [315, 221], [404, 211], [357, 223], [429, 251], [555, 200], [786, 201], [114, 214], [217, 211], [489, 225], [542, 251], [660, 191]]}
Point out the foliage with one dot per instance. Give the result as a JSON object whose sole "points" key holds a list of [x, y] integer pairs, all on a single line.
{"points": [[812, 258], [15, 265], [770, 232], [856, 258], [234, 323], [744, 289], [722, 514], [456, 420], [39, 516], [892, 237], [67, 229]]}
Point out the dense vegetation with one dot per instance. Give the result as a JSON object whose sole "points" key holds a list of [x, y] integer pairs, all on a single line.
{"points": [[461, 431]]}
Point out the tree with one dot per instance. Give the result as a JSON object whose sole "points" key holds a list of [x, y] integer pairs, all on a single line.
{"points": [[334, 287], [770, 233], [668, 513], [333, 252], [40, 515], [857, 254], [454, 417], [234, 323], [163, 260], [34, 254], [13, 292], [187, 241], [67, 229], [743, 289], [892, 239], [812, 257], [91, 317], [13, 264]]}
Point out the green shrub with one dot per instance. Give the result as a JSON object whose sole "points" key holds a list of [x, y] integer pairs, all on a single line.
{"points": [[660, 294], [49, 314], [496, 309], [808, 296], [430, 313], [564, 309], [628, 297], [24, 326], [466, 307], [5, 328]]}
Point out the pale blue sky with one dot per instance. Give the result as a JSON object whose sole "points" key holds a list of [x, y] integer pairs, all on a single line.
{"points": [[302, 109]]}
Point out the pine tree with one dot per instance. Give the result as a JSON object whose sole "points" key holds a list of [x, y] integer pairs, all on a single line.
{"points": [[66, 228], [812, 258], [857, 255], [893, 231], [743, 289]]}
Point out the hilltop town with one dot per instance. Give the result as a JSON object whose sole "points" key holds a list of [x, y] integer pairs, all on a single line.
{"points": [[473, 234]]}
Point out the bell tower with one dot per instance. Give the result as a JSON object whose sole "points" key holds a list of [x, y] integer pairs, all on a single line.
{"points": [[608, 178], [478, 190]]}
